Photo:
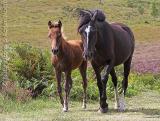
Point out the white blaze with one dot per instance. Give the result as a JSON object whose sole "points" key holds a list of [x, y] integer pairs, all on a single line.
{"points": [[87, 30]]}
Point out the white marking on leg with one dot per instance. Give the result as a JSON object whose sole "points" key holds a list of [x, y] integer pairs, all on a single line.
{"points": [[87, 30], [122, 103], [65, 108], [84, 104], [117, 104]]}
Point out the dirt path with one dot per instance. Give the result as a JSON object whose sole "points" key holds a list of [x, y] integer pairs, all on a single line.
{"points": [[147, 57], [145, 107]]}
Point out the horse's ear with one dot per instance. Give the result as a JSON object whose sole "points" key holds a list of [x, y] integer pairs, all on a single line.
{"points": [[84, 12], [49, 24], [94, 16], [60, 23]]}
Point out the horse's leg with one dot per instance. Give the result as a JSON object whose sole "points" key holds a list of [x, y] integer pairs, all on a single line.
{"points": [[59, 88], [83, 68], [114, 80], [67, 89], [127, 66], [70, 85], [103, 104]]}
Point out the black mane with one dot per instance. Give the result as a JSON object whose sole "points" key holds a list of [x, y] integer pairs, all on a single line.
{"points": [[86, 17]]}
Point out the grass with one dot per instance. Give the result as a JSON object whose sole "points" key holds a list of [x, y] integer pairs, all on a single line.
{"points": [[27, 20], [51, 110]]}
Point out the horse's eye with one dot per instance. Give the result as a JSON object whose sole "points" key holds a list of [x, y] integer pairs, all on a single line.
{"points": [[93, 29]]}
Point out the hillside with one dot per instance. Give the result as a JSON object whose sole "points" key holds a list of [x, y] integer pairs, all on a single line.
{"points": [[27, 19]]}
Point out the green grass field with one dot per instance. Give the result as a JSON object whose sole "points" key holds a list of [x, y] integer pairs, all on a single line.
{"points": [[27, 20], [138, 109]]}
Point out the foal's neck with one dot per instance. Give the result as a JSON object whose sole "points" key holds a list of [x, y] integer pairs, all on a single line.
{"points": [[63, 45]]}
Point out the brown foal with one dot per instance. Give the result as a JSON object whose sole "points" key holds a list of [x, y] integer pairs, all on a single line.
{"points": [[66, 56]]}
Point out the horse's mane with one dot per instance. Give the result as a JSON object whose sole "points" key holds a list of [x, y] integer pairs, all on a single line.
{"points": [[85, 18]]}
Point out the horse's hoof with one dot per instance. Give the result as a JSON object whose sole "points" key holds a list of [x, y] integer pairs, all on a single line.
{"points": [[122, 106], [84, 106], [65, 110], [121, 110], [103, 110]]}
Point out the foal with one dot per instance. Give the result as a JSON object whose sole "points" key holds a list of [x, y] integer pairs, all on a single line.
{"points": [[66, 56]]}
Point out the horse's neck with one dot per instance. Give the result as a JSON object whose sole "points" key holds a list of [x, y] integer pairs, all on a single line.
{"points": [[63, 46], [104, 33]]}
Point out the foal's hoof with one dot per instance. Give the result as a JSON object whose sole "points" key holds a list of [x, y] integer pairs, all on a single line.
{"points": [[103, 110], [65, 110]]}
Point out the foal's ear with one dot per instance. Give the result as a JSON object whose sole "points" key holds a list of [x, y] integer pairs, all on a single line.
{"points": [[60, 23], [94, 16], [49, 24]]}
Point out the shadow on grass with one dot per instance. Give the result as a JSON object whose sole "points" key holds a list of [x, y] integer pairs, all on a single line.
{"points": [[150, 112]]}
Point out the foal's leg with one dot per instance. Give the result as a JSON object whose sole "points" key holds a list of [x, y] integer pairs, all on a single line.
{"points": [[114, 80], [103, 104], [59, 88], [127, 66], [67, 89], [83, 68]]}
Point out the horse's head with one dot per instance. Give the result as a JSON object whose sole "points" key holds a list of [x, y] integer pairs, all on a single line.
{"points": [[55, 36], [88, 33]]}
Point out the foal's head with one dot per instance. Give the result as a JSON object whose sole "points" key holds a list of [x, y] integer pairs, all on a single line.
{"points": [[55, 36], [89, 36]]}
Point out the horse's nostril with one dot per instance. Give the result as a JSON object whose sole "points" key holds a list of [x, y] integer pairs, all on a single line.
{"points": [[54, 51]]}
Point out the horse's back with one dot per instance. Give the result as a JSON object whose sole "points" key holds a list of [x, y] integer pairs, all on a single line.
{"points": [[75, 48], [124, 41], [75, 42]]}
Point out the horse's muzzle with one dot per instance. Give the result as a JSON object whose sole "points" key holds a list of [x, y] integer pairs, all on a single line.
{"points": [[55, 51]]}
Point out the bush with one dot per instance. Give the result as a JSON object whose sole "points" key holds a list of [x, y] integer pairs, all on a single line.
{"points": [[31, 67]]}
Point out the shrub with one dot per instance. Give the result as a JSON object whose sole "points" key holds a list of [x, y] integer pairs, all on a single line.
{"points": [[11, 91], [31, 67]]}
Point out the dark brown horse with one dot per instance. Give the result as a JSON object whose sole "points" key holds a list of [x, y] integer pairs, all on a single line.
{"points": [[66, 56], [106, 46]]}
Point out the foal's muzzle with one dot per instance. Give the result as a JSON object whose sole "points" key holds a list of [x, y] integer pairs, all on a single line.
{"points": [[55, 51]]}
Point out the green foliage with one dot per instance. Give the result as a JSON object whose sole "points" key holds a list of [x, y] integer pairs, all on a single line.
{"points": [[0, 69], [30, 66], [131, 3], [154, 9], [141, 9]]}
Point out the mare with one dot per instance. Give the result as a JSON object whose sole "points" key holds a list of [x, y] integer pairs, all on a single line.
{"points": [[106, 46]]}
